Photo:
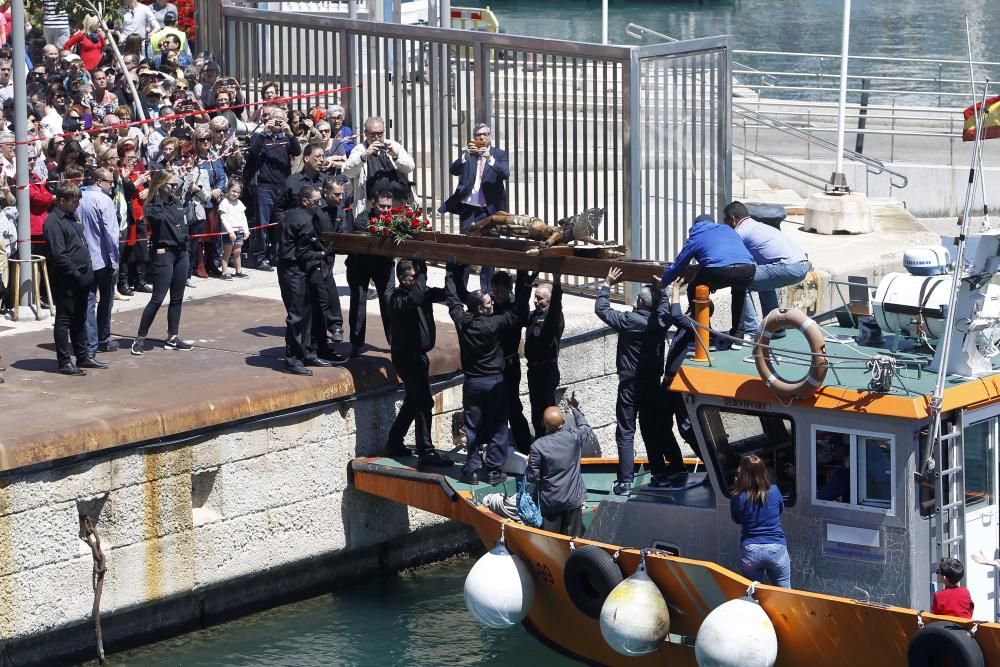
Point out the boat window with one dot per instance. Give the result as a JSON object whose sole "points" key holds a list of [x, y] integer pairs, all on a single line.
{"points": [[733, 433], [853, 468], [980, 464]]}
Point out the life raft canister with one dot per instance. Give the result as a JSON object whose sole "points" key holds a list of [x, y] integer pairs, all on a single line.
{"points": [[936, 642], [590, 575], [783, 318]]}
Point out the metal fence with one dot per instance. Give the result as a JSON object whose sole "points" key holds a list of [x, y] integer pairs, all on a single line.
{"points": [[641, 131]]}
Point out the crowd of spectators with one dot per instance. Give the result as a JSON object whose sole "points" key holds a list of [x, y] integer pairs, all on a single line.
{"points": [[84, 114]]}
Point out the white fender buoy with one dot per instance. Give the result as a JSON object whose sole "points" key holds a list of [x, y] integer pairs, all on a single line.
{"points": [[635, 619], [737, 633], [499, 589]]}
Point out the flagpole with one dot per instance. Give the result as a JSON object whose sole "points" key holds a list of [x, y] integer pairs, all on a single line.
{"points": [[978, 148], [838, 182]]}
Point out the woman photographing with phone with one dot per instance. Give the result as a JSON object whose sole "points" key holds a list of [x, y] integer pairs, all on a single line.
{"points": [[164, 212]]}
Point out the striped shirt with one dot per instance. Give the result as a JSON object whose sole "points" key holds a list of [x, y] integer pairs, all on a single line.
{"points": [[53, 18]]}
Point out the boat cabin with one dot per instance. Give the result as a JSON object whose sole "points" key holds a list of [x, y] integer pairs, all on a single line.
{"points": [[860, 519]]}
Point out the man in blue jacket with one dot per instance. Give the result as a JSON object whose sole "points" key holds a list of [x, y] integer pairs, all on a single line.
{"points": [[96, 214], [723, 261], [641, 335]]}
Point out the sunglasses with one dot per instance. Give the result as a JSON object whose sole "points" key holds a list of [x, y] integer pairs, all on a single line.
{"points": [[204, 140]]}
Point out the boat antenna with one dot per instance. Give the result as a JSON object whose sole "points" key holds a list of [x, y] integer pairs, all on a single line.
{"points": [[944, 347], [977, 112]]}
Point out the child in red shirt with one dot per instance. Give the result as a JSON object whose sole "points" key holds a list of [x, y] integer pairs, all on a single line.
{"points": [[953, 600]]}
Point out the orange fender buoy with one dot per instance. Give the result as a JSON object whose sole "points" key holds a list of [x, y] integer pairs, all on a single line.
{"points": [[786, 318]]}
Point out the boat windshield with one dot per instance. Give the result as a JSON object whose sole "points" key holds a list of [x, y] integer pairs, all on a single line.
{"points": [[734, 433]]}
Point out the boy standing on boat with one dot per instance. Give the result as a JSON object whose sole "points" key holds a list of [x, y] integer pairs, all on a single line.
{"points": [[952, 600], [641, 335], [554, 465]]}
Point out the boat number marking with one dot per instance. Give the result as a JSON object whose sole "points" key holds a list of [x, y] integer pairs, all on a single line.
{"points": [[541, 572]]}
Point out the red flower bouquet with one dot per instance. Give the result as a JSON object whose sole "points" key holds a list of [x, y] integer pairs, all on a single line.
{"points": [[399, 223]]}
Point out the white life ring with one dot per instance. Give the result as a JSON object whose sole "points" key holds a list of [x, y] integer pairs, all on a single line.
{"points": [[784, 318]]}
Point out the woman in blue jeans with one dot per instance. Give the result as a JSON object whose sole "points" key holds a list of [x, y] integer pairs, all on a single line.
{"points": [[756, 505]]}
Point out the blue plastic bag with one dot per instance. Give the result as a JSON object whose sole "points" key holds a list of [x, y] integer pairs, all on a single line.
{"points": [[527, 507]]}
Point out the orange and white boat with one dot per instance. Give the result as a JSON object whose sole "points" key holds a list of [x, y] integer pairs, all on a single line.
{"points": [[909, 421]]}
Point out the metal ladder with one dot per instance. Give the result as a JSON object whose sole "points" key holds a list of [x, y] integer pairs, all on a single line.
{"points": [[949, 492]]}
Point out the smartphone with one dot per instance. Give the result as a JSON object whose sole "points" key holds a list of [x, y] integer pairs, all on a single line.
{"points": [[88, 121]]}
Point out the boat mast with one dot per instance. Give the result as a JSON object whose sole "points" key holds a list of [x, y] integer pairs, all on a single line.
{"points": [[944, 347]]}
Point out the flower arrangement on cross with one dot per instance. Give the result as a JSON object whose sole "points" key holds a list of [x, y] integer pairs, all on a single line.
{"points": [[399, 223]]}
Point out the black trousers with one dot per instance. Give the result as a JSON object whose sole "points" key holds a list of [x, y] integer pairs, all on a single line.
{"points": [[414, 371], [735, 276], [469, 216], [515, 410], [326, 313], [543, 380], [293, 281], [70, 327], [362, 270], [170, 272], [642, 400], [485, 407], [568, 522]]}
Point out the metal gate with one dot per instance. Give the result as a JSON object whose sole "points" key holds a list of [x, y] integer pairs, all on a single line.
{"points": [[641, 131]]}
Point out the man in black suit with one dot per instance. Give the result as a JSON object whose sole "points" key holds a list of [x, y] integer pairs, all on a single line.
{"points": [[482, 187]]}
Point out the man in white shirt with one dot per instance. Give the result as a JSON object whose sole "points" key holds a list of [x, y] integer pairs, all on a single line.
{"points": [[138, 19], [6, 85], [780, 263], [7, 146]]}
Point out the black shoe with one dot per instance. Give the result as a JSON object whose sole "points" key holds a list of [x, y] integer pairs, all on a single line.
{"points": [[433, 458], [469, 477], [265, 266], [70, 369], [622, 488], [316, 361], [337, 334], [724, 344], [90, 362], [142, 288], [298, 370], [660, 481], [332, 357], [175, 343], [678, 479], [125, 290], [110, 346], [495, 477], [396, 450], [44, 306]]}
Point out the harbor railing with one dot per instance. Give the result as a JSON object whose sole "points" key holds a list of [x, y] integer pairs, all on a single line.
{"points": [[640, 131]]}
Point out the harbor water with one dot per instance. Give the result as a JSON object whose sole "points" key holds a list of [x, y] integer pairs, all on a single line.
{"points": [[417, 618]]}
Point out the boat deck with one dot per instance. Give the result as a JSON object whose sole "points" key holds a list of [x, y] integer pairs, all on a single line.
{"points": [[601, 475], [732, 375]]}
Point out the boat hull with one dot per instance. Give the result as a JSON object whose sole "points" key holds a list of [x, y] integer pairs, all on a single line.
{"points": [[812, 628]]}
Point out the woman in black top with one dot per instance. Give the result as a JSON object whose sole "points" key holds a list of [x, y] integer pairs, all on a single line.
{"points": [[164, 212]]}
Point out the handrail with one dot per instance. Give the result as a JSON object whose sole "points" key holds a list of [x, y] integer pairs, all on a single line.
{"points": [[872, 165], [791, 171], [636, 31]]}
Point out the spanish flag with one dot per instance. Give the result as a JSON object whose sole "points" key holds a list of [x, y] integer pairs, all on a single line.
{"points": [[991, 121]]}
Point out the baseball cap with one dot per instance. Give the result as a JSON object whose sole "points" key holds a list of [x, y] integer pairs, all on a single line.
{"points": [[71, 57], [71, 125]]}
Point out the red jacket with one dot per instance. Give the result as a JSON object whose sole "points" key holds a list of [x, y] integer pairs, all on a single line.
{"points": [[90, 52], [41, 201], [954, 601]]}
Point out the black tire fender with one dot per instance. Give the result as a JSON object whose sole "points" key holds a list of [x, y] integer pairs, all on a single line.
{"points": [[590, 574], [934, 641]]}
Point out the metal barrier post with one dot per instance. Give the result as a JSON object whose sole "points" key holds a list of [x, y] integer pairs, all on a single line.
{"points": [[632, 147], [702, 317]]}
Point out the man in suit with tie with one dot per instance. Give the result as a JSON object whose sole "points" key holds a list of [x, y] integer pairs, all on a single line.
{"points": [[482, 186]]}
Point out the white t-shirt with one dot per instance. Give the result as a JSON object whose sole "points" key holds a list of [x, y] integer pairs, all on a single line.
{"points": [[138, 21], [233, 216]]}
